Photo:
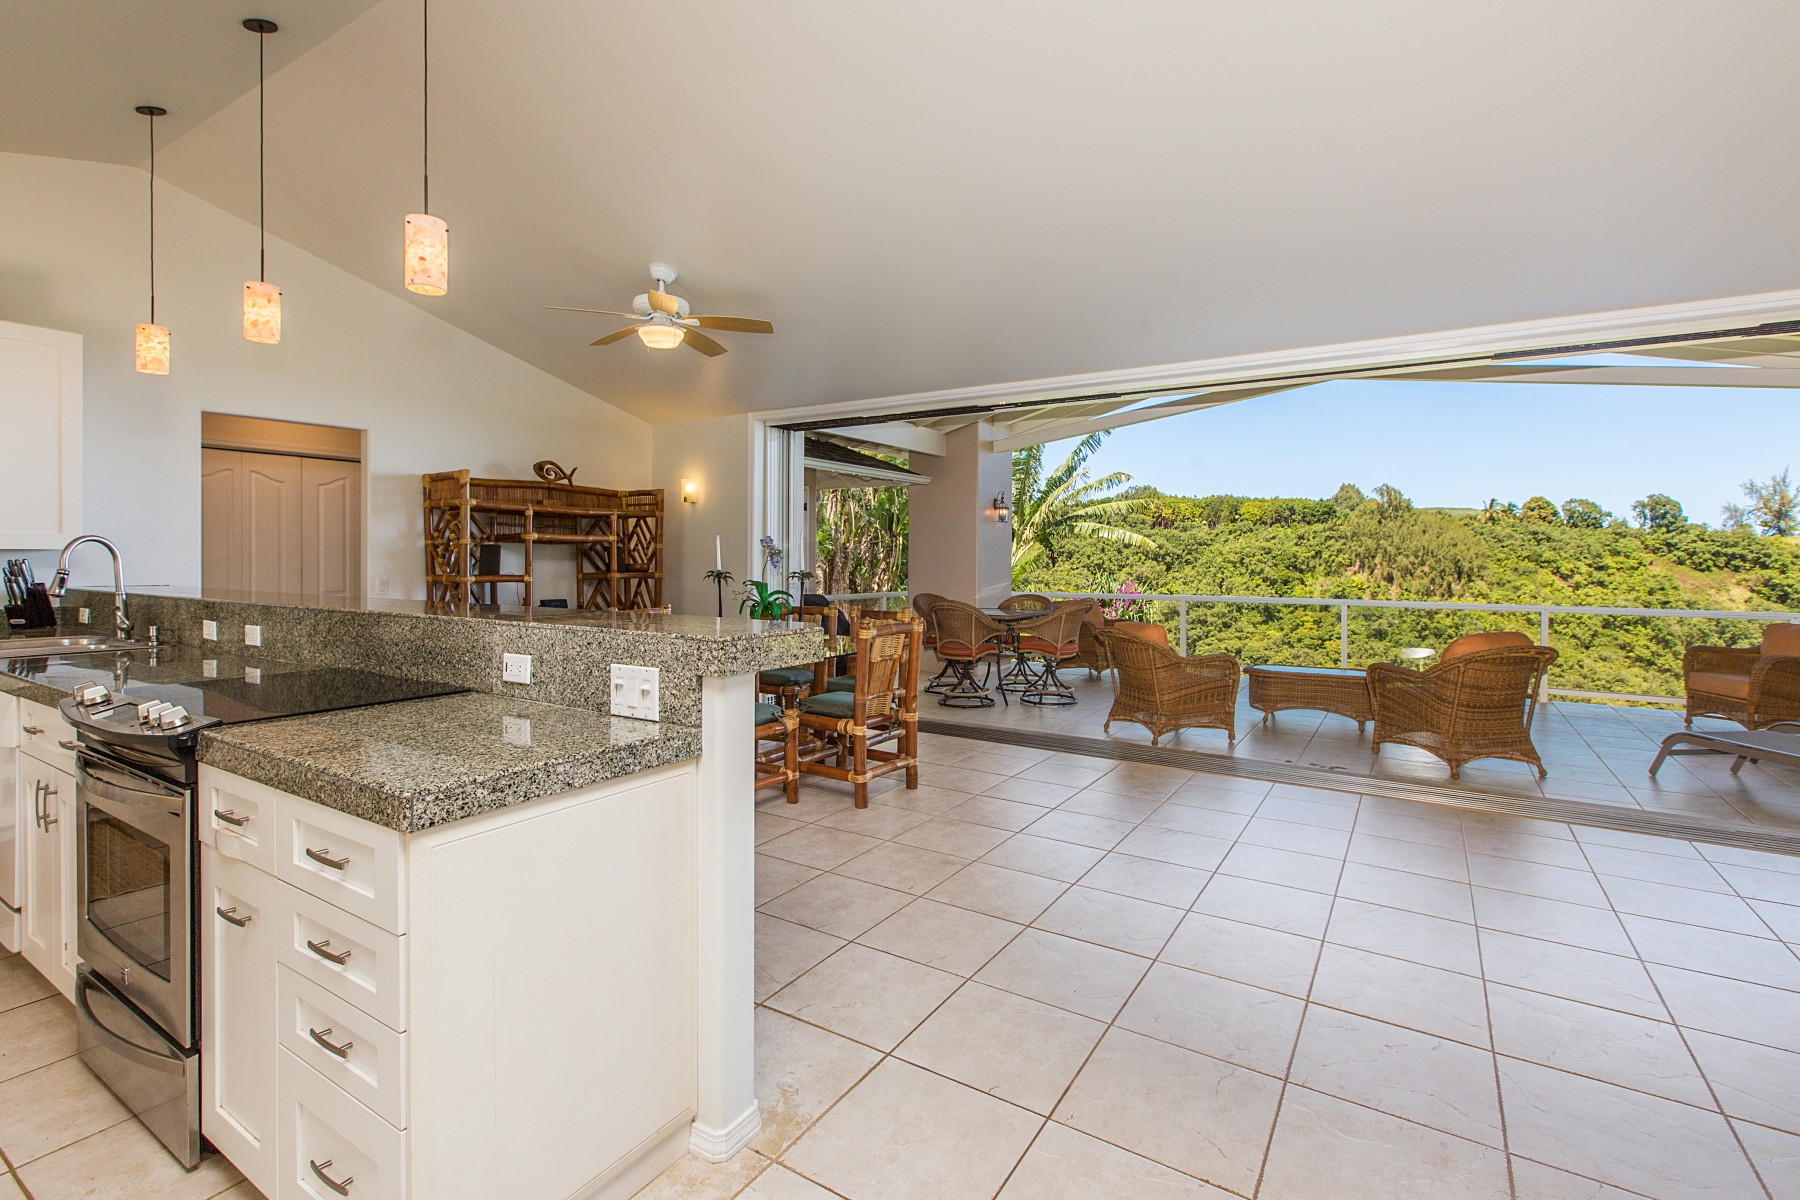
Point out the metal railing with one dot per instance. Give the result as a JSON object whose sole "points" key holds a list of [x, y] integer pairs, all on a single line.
{"points": [[1543, 611]]}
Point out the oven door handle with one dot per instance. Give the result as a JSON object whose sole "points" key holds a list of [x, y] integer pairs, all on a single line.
{"points": [[151, 796], [124, 1046]]}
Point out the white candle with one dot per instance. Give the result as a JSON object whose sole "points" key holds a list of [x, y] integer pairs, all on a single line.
{"points": [[718, 554]]}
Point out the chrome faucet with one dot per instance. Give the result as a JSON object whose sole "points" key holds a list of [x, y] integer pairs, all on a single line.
{"points": [[59, 584]]}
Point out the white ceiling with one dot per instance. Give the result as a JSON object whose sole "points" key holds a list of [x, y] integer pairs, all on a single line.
{"points": [[937, 194]]}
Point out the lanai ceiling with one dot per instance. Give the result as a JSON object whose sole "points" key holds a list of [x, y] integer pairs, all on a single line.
{"points": [[939, 195]]}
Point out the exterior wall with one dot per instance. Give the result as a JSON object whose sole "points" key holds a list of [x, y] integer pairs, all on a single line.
{"points": [[73, 256], [957, 548], [722, 454]]}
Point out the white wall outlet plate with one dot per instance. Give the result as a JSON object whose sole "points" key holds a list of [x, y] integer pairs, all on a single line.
{"points": [[381, 586], [209, 630], [253, 635], [83, 615], [636, 692], [252, 674], [209, 668], [516, 730], [515, 668]]}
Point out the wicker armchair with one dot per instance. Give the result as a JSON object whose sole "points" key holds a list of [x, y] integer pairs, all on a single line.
{"points": [[1754, 686], [1162, 691], [967, 639], [1090, 653], [1026, 602], [1472, 705], [882, 708], [1047, 642], [922, 604]]}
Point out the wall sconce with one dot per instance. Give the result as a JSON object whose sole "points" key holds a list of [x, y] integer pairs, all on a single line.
{"points": [[1002, 511], [690, 491]]}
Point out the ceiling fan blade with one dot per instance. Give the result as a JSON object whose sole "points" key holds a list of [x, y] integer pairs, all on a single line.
{"points": [[702, 343], [605, 312], [610, 338], [662, 302], [734, 324]]}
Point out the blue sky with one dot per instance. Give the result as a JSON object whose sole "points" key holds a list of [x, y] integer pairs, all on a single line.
{"points": [[1457, 444]]}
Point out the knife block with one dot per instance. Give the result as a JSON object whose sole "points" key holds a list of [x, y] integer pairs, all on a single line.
{"points": [[35, 613]]}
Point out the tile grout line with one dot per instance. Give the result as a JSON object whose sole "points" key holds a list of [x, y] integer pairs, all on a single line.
{"points": [[13, 1173], [1487, 1008], [1681, 1032]]}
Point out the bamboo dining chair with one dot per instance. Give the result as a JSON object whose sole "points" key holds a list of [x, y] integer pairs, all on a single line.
{"points": [[779, 767], [883, 708]]}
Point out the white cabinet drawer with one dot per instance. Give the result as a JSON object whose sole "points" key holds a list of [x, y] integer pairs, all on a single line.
{"points": [[355, 864], [344, 1044], [237, 818], [329, 1139], [346, 955], [42, 734], [237, 1007]]}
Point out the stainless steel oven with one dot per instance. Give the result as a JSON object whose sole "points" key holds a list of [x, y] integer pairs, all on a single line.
{"points": [[136, 994]]}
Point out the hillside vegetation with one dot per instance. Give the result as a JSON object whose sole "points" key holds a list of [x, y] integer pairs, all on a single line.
{"points": [[1382, 547]]}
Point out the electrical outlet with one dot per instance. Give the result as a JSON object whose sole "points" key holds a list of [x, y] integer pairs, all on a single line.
{"points": [[636, 692], [209, 630], [209, 668], [381, 586], [252, 674], [516, 730], [253, 635], [83, 615], [515, 668]]}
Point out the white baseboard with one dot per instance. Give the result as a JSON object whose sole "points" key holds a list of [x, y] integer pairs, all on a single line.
{"points": [[717, 1145]]}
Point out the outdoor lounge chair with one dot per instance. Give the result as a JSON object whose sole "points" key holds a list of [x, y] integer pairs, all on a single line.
{"points": [[1754, 686], [1479, 702], [1164, 692], [1090, 653]]}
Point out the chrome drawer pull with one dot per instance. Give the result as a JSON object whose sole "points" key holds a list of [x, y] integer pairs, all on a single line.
{"points": [[342, 1189], [33, 730], [342, 1051], [324, 856], [240, 922], [319, 949], [230, 817], [69, 745]]}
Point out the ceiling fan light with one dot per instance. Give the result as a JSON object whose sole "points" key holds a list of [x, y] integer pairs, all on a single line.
{"points": [[427, 254], [262, 312], [661, 337], [152, 349]]}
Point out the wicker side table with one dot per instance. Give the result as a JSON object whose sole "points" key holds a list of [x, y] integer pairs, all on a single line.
{"points": [[1324, 689]]}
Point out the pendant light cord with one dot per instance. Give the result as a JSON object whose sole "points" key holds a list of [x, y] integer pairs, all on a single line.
{"points": [[262, 236], [153, 220], [425, 52]]}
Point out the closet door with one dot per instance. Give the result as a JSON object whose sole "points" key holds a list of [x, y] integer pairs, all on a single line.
{"points": [[221, 532], [331, 528], [270, 520]]}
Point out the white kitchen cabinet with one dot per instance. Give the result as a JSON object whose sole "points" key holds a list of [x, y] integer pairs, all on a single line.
{"points": [[12, 828], [40, 384], [237, 1014], [515, 1015], [48, 811]]}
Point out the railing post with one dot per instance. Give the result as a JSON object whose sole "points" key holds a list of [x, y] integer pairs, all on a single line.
{"points": [[1184, 627], [1544, 640], [1343, 635]]}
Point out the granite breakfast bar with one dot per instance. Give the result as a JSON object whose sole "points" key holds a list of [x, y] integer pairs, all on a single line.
{"points": [[549, 908]]}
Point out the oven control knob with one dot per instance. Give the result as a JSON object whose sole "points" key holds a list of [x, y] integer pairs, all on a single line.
{"points": [[148, 713], [169, 718], [91, 695]]}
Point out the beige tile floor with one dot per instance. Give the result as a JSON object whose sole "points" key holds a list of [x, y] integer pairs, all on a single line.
{"points": [[1043, 977], [62, 1135], [1595, 753]]}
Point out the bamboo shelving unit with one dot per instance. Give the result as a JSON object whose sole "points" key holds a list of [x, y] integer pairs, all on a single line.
{"points": [[618, 538]]}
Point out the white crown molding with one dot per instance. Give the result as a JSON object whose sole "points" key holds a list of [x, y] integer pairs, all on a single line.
{"points": [[1476, 342]]}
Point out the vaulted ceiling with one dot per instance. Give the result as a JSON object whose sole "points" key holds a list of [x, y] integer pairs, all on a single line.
{"points": [[935, 194]]}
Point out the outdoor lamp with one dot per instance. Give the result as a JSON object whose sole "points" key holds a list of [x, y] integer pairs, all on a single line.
{"points": [[1002, 512]]}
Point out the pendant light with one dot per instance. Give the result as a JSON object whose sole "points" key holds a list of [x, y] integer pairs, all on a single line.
{"points": [[152, 339], [427, 237], [262, 299]]}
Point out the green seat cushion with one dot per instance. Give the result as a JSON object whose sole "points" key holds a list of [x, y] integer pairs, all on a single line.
{"points": [[841, 683], [830, 704], [765, 713], [781, 677]]}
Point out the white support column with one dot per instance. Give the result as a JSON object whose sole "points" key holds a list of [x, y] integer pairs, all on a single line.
{"points": [[959, 548], [727, 1117]]}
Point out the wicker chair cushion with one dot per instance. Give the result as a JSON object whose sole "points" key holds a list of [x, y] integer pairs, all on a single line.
{"points": [[841, 683], [1781, 639], [780, 677], [1038, 645], [841, 705], [1469, 643], [767, 713], [1712, 683], [1143, 629]]}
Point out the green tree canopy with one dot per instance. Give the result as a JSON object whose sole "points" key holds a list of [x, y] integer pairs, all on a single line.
{"points": [[1658, 512], [1774, 506], [1539, 509], [1584, 514], [1054, 509]]}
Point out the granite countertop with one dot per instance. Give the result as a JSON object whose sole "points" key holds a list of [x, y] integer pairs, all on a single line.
{"points": [[48, 679], [420, 763]]}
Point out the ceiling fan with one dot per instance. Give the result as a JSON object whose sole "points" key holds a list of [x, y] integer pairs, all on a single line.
{"points": [[663, 322]]}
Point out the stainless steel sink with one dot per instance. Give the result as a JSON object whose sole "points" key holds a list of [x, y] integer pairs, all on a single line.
{"points": [[42, 647]]}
